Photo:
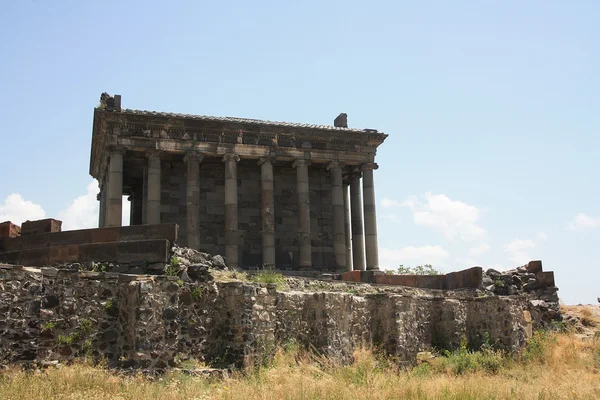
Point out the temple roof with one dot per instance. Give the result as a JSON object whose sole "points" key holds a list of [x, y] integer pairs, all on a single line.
{"points": [[244, 121]]}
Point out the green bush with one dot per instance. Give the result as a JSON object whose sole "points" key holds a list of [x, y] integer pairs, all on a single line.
{"points": [[535, 351], [464, 360], [197, 292], [426, 269]]}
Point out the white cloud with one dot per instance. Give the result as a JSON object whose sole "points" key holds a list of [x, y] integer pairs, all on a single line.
{"points": [[583, 222], [542, 236], [82, 213], [517, 250], [387, 203], [452, 218], [391, 218], [411, 255], [479, 250], [18, 210]]}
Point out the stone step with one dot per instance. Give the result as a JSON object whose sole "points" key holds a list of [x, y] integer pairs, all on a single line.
{"points": [[89, 236], [121, 252]]}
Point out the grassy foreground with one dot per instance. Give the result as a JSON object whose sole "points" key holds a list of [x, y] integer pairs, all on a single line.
{"points": [[554, 366]]}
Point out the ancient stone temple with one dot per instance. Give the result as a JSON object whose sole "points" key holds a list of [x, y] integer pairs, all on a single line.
{"points": [[293, 196]]}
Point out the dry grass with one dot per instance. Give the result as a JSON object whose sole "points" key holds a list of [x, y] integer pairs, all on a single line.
{"points": [[557, 366], [588, 318]]}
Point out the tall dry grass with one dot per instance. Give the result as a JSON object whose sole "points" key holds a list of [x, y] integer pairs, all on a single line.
{"points": [[554, 366]]}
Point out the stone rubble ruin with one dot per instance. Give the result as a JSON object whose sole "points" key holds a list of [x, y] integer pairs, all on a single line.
{"points": [[266, 195]]}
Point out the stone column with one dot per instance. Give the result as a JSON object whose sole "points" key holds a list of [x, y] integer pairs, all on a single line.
{"points": [[347, 230], [337, 205], [101, 207], [153, 202], [358, 248], [304, 244], [372, 252], [115, 188], [145, 195], [193, 160], [267, 211], [231, 209]]}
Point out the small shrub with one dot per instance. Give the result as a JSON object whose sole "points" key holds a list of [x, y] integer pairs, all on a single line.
{"points": [[535, 351], [464, 361], [49, 325], [99, 267], [173, 268], [87, 347], [109, 305], [197, 292], [559, 326], [426, 269], [270, 276], [85, 326], [65, 340]]}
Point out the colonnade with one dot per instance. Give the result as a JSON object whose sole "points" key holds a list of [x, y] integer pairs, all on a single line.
{"points": [[354, 218]]}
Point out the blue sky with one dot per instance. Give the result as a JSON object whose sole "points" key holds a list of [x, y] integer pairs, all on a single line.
{"points": [[491, 107]]}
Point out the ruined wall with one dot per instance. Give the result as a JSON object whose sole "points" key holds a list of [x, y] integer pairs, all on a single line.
{"points": [[146, 321]]}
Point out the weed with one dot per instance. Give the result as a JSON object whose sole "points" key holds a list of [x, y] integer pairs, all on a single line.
{"points": [[535, 351], [197, 292], [270, 276], [85, 326], [109, 305], [99, 267], [49, 325], [65, 340], [463, 360]]}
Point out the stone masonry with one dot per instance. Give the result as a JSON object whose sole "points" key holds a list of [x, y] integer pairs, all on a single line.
{"points": [[263, 193], [148, 321]]}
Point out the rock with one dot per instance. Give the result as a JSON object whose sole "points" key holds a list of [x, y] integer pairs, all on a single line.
{"points": [[538, 303], [512, 289], [199, 272], [492, 272], [183, 275], [487, 281], [218, 262], [170, 313], [491, 288]]}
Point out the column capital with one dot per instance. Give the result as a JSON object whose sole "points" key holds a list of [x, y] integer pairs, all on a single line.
{"points": [[193, 154], [301, 162], [114, 149], [267, 159], [368, 166], [335, 164], [153, 153], [354, 174], [231, 157]]}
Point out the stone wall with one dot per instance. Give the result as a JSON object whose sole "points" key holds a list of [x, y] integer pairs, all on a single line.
{"points": [[146, 321], [212, 219]]}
